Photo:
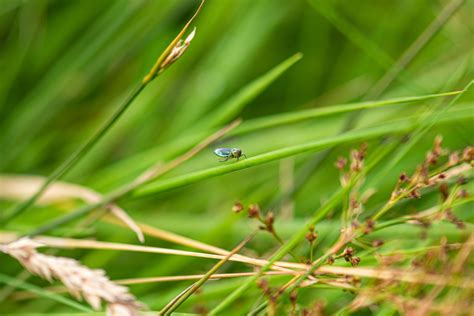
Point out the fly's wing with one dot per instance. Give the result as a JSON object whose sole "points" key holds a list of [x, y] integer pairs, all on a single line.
{"points": [[222, 152]]}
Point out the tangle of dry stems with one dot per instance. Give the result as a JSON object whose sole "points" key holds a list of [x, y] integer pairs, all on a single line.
{"points": [[92, 285]]}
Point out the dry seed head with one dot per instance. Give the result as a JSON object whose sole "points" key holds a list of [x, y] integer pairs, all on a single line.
{"points": [[92, 285], [178, 51]]}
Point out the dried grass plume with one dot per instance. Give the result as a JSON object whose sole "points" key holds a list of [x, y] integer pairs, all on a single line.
{"points": [[92, 285]]}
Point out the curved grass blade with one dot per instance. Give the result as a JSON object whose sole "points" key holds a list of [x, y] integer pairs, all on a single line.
{"points": [[234, 105], [295, 117], [352, 136]]}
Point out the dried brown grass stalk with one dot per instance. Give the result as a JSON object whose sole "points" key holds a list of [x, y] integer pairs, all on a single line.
{"points": [[21, 187], [92, 285], [365, 272]]}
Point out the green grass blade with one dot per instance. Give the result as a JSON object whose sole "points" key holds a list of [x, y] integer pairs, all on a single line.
{"points": [[168, 150], [352, 136], [289, 118], [234, 105], [42, 293], [353, 34]]}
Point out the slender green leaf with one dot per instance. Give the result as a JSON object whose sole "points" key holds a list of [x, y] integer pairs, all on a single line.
{"points": [[42, 293]]}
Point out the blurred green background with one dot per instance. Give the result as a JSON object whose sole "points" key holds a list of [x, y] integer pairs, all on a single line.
{"points": [[66, 65]]}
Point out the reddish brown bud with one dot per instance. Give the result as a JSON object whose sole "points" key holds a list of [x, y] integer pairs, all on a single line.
{"points": [[311, 236], [254, 210], [403, 177], [340, 163], [354, 203], [270, 218], [444, 190], [437, 149], [461, 180], [415, 194], [293, 296], [330, 260], [462, 194], [377, 243], [262, 283], [349, 251], [453, 159], [369, 226], [355, 261], [468, 154], [431, 159], [237, 207]]}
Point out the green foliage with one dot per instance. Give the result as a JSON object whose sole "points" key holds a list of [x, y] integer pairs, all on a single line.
{"points": [[296, 72]]}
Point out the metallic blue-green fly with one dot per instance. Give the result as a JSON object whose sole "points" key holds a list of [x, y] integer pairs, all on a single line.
{"points": [[229, 153]]}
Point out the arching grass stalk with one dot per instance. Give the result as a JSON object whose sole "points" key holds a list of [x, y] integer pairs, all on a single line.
{"points": [[348, 137], [174, 50], [252, 125], [304, 115]]}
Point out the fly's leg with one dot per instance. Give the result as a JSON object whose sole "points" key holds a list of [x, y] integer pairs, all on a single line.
{"points": [[227, 158]]}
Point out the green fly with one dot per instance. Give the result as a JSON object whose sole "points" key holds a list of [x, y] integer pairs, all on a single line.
{"points": [[229, 153]]}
